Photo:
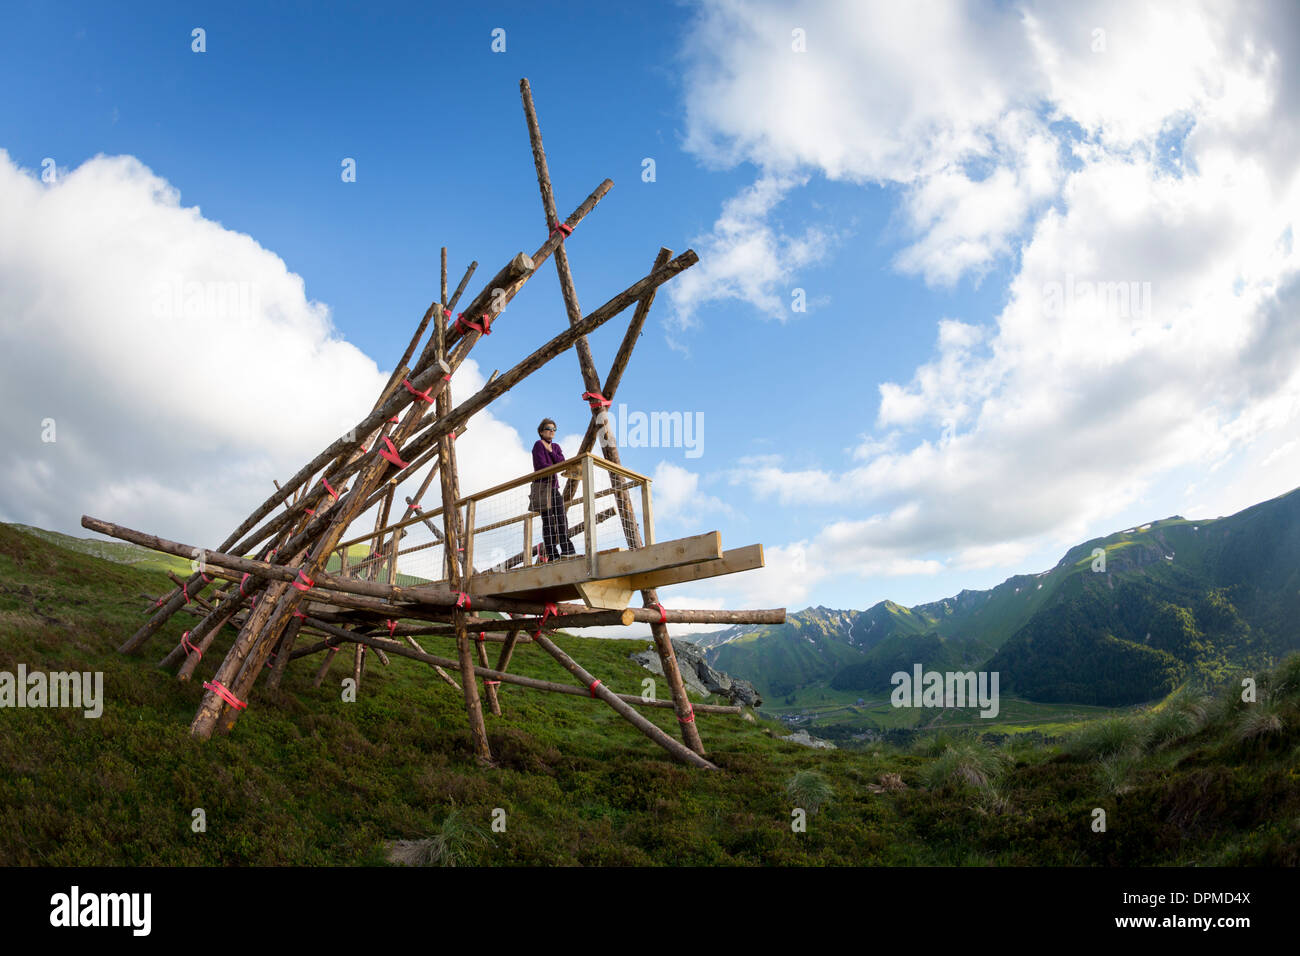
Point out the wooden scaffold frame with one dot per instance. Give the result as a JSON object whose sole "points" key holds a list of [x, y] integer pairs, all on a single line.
{"points": [[273, 574]]}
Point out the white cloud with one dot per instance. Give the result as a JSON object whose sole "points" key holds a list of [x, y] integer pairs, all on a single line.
{"points": [[1150, 324], [747, 258], [184, 367]]}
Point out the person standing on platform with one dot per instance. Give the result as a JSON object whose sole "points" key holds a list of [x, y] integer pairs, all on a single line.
{"points": [[544, 495]]}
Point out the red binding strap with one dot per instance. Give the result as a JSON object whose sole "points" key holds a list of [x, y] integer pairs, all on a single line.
{"points": [[663, 615], [333, 494], [300, 614], [390, 453], [491, 682], [189, 646], [392, 626], [687, 720], [310, 511], [394, 419], [303, 583], [463, 325], [550, 610], [423, 396], [242, 582], [564, 229], [482, 636], [185, 590], [592, 688], [595, 400], [224, 693], [462, 600], [206, 579]]}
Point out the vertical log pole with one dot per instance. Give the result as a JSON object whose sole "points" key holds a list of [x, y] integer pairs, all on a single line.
{"points": [[591, 383], [455, 580]]}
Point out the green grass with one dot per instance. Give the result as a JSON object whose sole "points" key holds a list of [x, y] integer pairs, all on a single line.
{"points": [[307, 779]]}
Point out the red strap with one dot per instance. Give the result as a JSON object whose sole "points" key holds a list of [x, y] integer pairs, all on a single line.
{"points": [[304, 583], [663, 615], [482, 636], [300, 614], [310, 511], [423, 396], [185, 590], [491, 682], [160, 602], [564, 229], [206, 579], [463, 600], [333, 494], [242, 582], [446, 378], [687, 720], [550, 610], [390, 453], [592, 688], [392, 626], [189, 646], [225, 694], [463, 324], [596, 400], [394, 419]]}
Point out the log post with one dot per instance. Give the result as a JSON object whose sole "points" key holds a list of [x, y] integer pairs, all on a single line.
{"points": [[592, 386]]}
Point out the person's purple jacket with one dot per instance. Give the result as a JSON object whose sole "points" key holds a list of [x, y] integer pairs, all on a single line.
{"points": [[544, 459]]}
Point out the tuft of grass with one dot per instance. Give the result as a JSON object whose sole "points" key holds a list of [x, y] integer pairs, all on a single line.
{"points": [[1115, 773], [1105, 738], [965, 762], [453, 844], [809, 790], [1260, 722], [1286, 678], [1182, 715]]}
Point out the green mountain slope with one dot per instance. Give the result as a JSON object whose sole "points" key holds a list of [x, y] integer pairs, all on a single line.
{"points": [[1175, 600]]}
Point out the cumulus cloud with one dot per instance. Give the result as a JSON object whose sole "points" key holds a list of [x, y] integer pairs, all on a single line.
{"points": [[159, 370], [1150, 321]]}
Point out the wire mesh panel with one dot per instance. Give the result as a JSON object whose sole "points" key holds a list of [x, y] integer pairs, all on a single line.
{"points": [[522, 524]]}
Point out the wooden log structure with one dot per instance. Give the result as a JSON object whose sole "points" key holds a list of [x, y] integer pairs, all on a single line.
{"points": [[280, 591]]}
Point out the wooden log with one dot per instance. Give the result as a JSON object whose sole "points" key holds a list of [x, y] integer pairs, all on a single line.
{"points": [[682, 753], [592, 385], [561, 343], [531, 682], [451, 538], [324, 667]]}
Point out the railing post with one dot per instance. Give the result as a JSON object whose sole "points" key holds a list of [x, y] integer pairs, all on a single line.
{"points": [[589, 512], [469, 541], [647, 513], [528, 540]]}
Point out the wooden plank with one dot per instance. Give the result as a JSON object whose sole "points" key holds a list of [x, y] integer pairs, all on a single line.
{"points": [[666, 554], [731, 562]]}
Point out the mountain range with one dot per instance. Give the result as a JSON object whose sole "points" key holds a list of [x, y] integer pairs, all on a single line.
{"points": [[1119, 620]]}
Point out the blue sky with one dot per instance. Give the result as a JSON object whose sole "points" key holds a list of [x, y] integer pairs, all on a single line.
{"points": [[921, 179]]}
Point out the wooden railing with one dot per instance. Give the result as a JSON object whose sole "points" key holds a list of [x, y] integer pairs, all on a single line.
{"points": [[497, 522]]}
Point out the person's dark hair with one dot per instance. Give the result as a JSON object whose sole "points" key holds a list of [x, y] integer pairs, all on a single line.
{"points": [[544, 423]]}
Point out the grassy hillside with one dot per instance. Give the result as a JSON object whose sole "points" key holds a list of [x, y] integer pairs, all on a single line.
{"points": [[308, 779]]}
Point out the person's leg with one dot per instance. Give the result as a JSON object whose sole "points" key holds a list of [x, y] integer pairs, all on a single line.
{"points": [[563, 544], [549, 535]]}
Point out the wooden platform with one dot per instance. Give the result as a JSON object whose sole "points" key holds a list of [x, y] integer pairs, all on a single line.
{"points": [[620, 573]]}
